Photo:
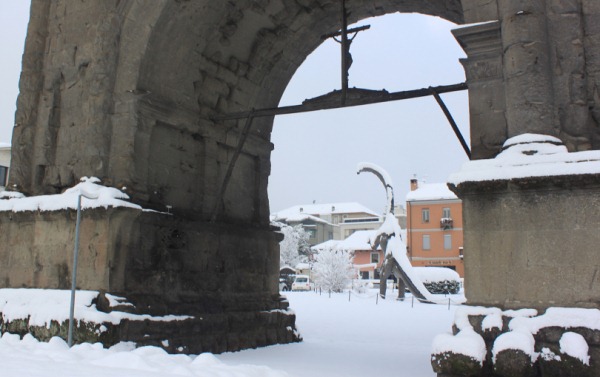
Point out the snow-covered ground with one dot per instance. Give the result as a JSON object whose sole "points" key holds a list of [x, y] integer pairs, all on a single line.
{"points": [[341, 338]]}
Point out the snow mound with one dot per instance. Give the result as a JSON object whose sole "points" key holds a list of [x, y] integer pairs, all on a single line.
{"points": [[436, 274], [515, 340], [467, 342], [574, 345], [33, 358]]}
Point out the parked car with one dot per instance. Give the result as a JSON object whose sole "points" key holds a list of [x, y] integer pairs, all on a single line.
{"points": [[283, 285], [301, 283]]}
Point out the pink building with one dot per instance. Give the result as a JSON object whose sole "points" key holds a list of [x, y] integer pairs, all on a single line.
{"points": [[365, 260]]}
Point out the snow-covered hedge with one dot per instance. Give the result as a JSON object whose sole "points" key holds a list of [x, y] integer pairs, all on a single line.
{"points": [[439, 280]]}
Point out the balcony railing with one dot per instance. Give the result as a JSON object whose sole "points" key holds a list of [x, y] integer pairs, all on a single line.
{"points": [[446, 223]]}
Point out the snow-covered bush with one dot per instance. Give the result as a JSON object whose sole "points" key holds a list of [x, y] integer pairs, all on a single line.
{"points": [[333, 270], [292, 250], [439, 280]]}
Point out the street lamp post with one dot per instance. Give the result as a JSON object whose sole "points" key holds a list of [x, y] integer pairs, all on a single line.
{"points": [[75, 254]]}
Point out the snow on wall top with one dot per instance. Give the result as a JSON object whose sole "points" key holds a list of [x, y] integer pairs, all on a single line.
{"points": [[523, 325], [324, 209], [4, 145], [529, 155], [41, 306], [430, 191], [105, 197]]}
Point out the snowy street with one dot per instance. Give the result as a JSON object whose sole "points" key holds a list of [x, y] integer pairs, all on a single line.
{"points": [[341, 338], [356, 338]]}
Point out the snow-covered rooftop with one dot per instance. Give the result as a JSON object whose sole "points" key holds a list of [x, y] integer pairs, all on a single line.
{"points": [[324, 209], [298, 217], [430, 191], [529, 155], [331, 244], [359, 240]]}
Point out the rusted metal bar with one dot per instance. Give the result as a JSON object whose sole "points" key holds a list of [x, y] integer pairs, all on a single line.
{"points": [[349, 31], [317, 106], [457, 132], [345, 52], [234, 158]]}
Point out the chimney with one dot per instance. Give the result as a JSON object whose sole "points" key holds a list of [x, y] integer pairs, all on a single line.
{"points": [[414, 184]]}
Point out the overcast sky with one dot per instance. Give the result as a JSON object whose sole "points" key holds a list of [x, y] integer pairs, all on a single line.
{"points": [[14, 15], [316, 154]]}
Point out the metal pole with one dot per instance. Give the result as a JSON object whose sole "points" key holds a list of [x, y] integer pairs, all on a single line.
{"points": [[455, 128], [74, 278], [345, 49]]}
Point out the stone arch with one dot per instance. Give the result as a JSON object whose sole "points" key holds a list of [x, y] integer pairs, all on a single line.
{"points": [[186, 61], [125, 92]]}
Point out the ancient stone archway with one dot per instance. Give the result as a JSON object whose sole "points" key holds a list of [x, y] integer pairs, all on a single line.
{"points": [[126, 91]]}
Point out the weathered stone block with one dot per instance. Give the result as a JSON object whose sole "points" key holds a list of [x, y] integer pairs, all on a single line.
{"points": [[452, 364], [514, 363], [564, 366]]}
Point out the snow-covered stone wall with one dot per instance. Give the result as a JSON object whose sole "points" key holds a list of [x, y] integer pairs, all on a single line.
{"points": [[487, 341], [531, 220]]}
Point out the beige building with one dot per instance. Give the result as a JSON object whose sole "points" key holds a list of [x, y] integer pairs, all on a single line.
{"points": [[331, 221], [335, 221], [4, 164]]}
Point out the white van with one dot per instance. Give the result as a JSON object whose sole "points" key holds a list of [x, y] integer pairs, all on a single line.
{"points": [[301, 283]]}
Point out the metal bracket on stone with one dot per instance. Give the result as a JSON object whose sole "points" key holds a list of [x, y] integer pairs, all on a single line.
{"points": [[455, 128], [241, 141]]}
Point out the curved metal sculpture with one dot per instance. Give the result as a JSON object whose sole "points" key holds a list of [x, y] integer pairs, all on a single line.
{"points": [[388, 236]]}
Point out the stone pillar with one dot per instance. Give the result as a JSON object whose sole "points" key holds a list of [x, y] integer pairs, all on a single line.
{"points": [[531, 239], [483, 68], [527, 71]]}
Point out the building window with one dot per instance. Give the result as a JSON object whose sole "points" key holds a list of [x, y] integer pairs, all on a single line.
{"points": [[312, 233], [426, 242], [446, 213], [375, 258], [447, 242], [330, 236], [425, 215], [3, 175]]}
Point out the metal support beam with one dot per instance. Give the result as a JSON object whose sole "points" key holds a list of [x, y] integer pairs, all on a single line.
{"points": [[307, 106], [234, 158], [353, 30], [451, 121]]}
